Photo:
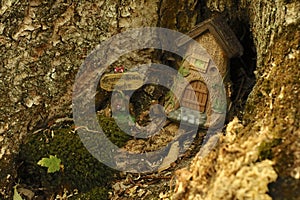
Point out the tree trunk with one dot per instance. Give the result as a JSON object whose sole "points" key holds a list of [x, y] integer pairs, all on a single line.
{"points": [[43, 43], [265, 147]]}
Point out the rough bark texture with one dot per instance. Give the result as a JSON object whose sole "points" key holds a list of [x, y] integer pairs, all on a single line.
{"points": [[43, 43], [266, 148]]}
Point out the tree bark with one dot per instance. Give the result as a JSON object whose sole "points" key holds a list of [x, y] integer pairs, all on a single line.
{"points": [[265, 147], [43, 44]]}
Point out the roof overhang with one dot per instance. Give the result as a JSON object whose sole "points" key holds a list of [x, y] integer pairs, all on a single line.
{"points": [[222, 33]]}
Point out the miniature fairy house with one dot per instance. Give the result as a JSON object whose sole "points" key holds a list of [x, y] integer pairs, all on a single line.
{"points": [[219, 41]]}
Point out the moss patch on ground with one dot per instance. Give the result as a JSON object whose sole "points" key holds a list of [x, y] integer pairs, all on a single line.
{"points": [[80, 169], [113, 131], [97, 193]]}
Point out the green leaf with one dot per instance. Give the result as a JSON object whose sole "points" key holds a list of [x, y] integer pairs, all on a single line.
{"points": [[16, 196], [53, 163]]}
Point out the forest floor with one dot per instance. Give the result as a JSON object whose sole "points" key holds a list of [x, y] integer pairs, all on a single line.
{"points": [[156, 185], [57, 139]]}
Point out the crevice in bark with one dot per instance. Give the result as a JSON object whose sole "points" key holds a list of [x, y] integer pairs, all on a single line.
{"points": [[159, 12], [242, 70]]}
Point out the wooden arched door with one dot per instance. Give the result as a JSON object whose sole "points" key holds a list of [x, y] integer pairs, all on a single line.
{"points": [[197, 101]]}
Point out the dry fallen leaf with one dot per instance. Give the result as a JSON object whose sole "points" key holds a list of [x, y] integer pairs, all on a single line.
{"points": [[28, 193], [171, 157]]}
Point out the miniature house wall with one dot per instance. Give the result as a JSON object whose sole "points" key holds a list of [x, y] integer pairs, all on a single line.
{"points": [[221, 44]]}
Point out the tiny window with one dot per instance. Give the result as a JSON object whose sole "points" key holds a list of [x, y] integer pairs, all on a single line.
{"points": [[200, 64]]}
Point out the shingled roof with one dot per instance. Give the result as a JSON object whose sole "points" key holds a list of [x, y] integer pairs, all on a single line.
{"points": [[222, 33]]}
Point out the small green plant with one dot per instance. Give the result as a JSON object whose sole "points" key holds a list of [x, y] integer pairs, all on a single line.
{"points": [[182, 69], [53, 163], [16, 196], [170, 99]]}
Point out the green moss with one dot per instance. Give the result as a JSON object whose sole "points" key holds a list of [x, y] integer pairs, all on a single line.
{"points": [[112, 130], [265, 149], [97, 193], [183, 71], [81, 170]]}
